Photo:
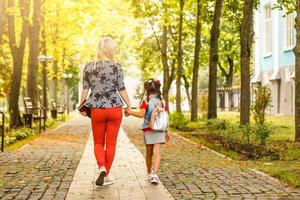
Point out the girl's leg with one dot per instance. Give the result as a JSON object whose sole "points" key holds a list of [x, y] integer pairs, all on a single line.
{"points": [[149, 154], [112, 129], [156, 155]]}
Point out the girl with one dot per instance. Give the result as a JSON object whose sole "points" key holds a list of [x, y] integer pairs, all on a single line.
{"points": [[153, 139]]}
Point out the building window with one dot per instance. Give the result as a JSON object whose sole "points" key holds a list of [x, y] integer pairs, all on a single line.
{"points": [[268, 29], [289, 31]]}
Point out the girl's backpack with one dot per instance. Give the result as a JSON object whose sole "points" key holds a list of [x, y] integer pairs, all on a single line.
{"points": [[159, 120]]}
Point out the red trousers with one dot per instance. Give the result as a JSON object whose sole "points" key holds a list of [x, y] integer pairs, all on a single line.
{"points": [[106, 123]]}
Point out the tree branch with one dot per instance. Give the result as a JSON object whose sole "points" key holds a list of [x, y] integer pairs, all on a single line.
{"points": [[156, 37]]}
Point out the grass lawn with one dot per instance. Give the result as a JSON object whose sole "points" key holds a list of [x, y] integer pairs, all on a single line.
{"points": [[283, 125], [287, 168]]}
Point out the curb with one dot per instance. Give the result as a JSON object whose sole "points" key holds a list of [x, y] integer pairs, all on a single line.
{"points": [[264, 174]]}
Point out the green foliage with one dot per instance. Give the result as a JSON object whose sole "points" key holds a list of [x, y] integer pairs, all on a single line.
{"points": [[263, 131], [262, 101], [289, 5], [178, 120], [17, 134], [216, 124], [9, 140]]}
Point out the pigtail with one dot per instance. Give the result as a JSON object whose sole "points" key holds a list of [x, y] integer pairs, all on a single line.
{"points": [[152, 86]]}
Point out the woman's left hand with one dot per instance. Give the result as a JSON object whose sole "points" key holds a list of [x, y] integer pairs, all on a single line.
{"points": [[83, 114]]}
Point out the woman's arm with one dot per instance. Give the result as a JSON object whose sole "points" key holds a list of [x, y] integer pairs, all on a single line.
{"points": [[84, 94], [141, 113], [125, 97]]}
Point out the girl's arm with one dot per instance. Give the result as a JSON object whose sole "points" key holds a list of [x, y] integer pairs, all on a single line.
{"points": [[141, 113]]}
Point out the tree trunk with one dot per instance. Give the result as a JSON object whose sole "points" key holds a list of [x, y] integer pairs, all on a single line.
{"points": [[213, 62], [63, 81], [230, 81], [53, 86], [179, 60], [194, 101], [17, 55], [187, 90], [2, 19], [54, 80], [34, 41], [164, 59], [246, 35], [44, 71], [297, 76], [172, 75]]}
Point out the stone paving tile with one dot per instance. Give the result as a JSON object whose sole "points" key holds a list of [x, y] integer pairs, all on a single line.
{"points": [[128, 172], [45, 168], [191, 172]]}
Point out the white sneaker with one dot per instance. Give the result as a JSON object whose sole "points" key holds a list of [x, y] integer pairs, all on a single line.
{"points": [[149, 175], [154, 179], [108, 181], [100, 179]]}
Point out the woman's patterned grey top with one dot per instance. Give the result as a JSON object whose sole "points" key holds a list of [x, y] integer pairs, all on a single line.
{"points": [[104, 78]]}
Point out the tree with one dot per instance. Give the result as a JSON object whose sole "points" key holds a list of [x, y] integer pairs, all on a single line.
{"points": [[213, 62], [2, 17], [17, 55], [156, 52], [194, 103], [297, 76], [179, 59], [34, 44], [247, 34]]}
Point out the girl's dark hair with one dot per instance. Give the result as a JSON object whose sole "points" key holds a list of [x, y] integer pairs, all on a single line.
{"points": [[152, 87]]}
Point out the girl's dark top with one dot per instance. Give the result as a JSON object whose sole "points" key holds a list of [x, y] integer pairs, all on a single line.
{"points": [[105, 79]]}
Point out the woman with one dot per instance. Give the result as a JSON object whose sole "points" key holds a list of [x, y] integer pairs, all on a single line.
{"points": [[104, 76]]}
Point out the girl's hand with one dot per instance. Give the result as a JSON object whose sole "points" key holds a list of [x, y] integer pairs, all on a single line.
{"points": [[127, 111], [83, 114], [168, 136]]}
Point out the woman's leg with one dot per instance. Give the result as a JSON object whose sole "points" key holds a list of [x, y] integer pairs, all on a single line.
{"points": [[149, 154], [98, 127], [112, 129], [156, 155]]}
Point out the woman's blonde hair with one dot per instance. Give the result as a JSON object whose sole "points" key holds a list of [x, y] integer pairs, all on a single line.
{"points": [[106, 49]]}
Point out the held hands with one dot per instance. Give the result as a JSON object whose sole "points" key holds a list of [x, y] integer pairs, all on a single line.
{"points": [[127, 111]]}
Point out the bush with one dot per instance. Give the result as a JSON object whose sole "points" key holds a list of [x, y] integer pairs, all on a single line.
{"points": [[19, 135], [263, 131], [9, 140], [262, 101], [249, 140], [195, 125], [216, 124], [178, 120]]}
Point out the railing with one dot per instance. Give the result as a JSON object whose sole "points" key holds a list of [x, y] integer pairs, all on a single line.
{"points": [[2, 130]]}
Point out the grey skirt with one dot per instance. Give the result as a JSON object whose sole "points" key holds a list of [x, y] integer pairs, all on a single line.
{"points": [[155, 137]]}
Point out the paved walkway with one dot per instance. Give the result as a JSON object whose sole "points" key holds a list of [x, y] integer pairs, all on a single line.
{"points": [[128, 172], [48, 169], [44, 169], [191, 172]]}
